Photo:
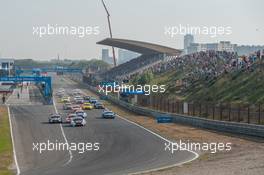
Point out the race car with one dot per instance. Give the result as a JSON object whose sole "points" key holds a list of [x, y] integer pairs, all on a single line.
{"points": [[86, 97], [78, 100], [60, 91], [55, 118], [108, 114], [78, 121], [67, 106], [77, 97], [70, 117], [87, 106], [81, 113], [65, 100], [93, 100], [86, 101], [75, 107], [60, 94], [77, 92], [99, 105]]}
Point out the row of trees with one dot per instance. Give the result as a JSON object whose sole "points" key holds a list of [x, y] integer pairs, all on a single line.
{"points": [[65, 63]]}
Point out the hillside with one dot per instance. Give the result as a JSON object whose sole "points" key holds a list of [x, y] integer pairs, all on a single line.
{"points": [[242, 86]]}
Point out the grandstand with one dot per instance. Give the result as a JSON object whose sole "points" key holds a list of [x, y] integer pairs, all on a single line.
{"points": [[151, 54]]}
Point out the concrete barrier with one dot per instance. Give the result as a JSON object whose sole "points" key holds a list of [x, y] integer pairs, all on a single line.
{"points": [[223, 126]]}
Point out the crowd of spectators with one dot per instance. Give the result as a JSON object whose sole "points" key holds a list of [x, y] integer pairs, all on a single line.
{"points": [[245, 62], [205, 65], [132, 65], [208, 65]]}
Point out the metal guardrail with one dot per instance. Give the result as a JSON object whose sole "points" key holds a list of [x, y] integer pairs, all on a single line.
{"points": [[243, 113], [223, 126]]}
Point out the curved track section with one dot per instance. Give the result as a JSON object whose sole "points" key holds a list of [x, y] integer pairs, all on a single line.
{"points": [[124, 147]]}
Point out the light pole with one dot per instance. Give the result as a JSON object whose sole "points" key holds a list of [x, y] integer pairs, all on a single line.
{"points": [[7, 69], [110, 31]]}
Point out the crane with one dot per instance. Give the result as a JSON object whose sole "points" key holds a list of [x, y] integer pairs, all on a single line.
{"points": [[110, 31]]}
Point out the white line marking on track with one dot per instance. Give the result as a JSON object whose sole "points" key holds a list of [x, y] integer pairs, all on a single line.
{"points": [[164, 167], [63, 134], [13, 143]]}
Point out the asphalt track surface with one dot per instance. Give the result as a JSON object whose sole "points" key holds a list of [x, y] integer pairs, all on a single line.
{"points": [[124, 147]]}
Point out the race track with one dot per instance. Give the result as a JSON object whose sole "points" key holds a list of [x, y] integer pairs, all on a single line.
{"points": [[124, 147]]}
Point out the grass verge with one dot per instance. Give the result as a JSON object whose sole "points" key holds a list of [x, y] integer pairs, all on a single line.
{"points": [[5, 143]]}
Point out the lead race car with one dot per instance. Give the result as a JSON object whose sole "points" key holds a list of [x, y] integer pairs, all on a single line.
{"points": [[107, 114]]}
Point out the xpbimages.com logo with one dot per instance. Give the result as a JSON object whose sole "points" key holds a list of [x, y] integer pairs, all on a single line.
{"points": [[64, 146], [212, 31], [212, 147], [130, 89], [65, 30]]}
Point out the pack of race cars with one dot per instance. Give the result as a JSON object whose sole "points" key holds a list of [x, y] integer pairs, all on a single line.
{"points": [[76, 105]]}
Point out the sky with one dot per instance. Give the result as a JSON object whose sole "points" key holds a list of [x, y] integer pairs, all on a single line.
{"points": [[143, 20]]}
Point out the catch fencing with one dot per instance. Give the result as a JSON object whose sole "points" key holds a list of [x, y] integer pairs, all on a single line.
{"points": [[244, 113]]}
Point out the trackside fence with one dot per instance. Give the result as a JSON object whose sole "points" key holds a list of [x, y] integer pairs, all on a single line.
{"points": [[244, 113], [237, 119]]}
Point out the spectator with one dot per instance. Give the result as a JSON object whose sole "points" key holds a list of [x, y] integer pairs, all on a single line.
{"points": [[3, 99]]}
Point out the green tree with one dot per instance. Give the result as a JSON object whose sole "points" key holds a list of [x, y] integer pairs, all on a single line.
{"points": [[146, 78]]}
